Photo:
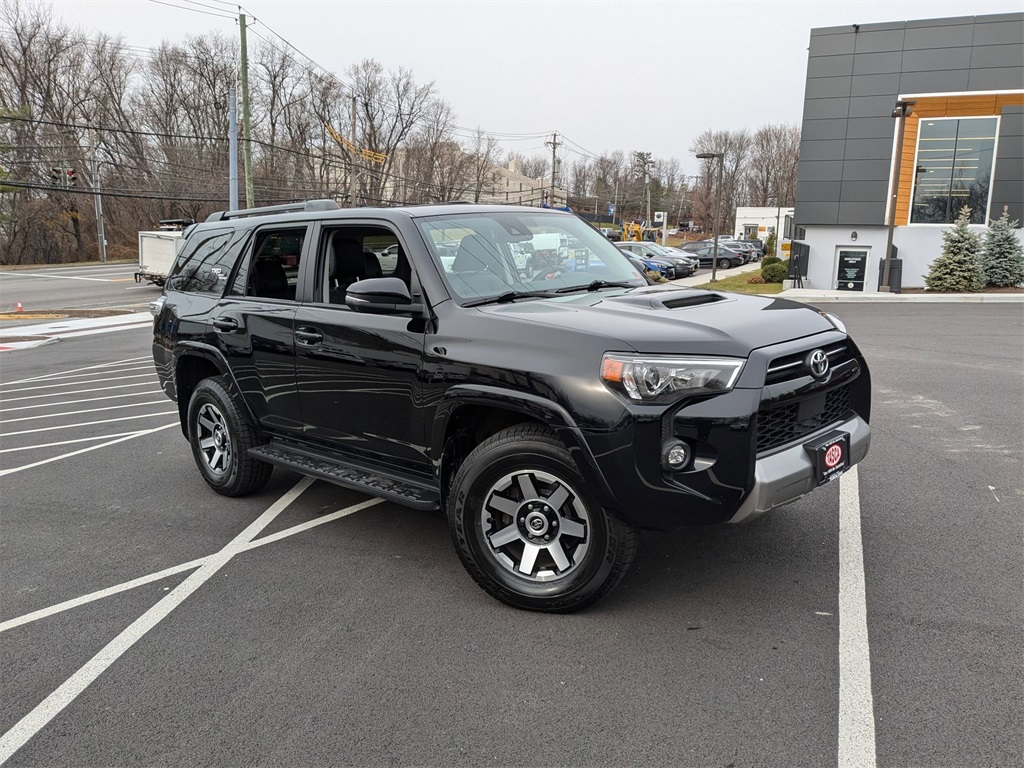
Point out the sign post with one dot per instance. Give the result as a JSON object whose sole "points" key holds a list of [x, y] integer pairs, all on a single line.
{"points": [[661, 217]]}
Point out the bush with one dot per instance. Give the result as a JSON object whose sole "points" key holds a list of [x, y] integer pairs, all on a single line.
{"points": [[775, 273], [655, 277], [770, 260], [958, 268], [1003, 258], [755, 279]]}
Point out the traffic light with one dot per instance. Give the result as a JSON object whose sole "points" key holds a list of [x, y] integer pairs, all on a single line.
{"points": [[72, 178], [56, 176]]}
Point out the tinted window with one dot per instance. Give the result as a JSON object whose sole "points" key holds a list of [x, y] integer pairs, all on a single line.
{"points": [[954, 169], [272, 270], [204, 263]]}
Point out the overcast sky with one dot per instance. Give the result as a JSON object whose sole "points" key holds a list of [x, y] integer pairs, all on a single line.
{"points": [[629, 75]]}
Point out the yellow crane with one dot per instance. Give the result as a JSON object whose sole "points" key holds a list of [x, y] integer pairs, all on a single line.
{"points": [[348, 146]]}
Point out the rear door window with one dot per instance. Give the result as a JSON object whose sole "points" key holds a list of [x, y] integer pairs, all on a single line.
{"points": [[271, 270], [204, 263]]}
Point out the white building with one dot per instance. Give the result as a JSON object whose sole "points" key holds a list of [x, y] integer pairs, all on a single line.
{"points": [[756, 223]]}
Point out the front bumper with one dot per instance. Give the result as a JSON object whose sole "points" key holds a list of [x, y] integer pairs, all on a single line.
{"points": [[784, 477]]}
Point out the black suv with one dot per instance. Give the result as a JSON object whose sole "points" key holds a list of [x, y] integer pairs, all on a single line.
{"points": [[550, 414]]}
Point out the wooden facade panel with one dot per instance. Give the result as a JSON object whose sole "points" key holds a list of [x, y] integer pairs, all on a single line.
{"points": [[969, 105]]}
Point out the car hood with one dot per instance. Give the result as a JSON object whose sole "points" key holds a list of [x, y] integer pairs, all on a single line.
{"points": [[666, 320]]}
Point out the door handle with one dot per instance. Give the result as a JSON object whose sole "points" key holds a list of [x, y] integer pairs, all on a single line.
{"points": [[307, 335], [225, 324]]}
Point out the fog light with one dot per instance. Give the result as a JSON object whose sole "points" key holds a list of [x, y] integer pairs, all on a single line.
{"points": [[677, 456]]}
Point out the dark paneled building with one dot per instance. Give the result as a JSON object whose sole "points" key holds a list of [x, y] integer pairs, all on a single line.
{"points": [[963, 140]]}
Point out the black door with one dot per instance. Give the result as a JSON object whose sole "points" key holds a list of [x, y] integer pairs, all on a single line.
{"points": [[254, 325], [358, 381], [358, 374]]}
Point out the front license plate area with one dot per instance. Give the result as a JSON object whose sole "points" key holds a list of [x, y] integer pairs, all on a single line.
{"points": [[830, 455]]}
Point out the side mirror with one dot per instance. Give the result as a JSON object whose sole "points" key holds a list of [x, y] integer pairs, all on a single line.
{"points": [[379, 295]]}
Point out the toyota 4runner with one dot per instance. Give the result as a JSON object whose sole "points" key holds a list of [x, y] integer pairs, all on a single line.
{"points": [[550, 413]]}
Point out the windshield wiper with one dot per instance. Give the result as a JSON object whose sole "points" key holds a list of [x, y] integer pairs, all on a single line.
{"points": [[504, 298], [595, 286]]}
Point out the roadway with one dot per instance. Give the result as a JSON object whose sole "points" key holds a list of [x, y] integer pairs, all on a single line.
{"points": [[103, 286]]}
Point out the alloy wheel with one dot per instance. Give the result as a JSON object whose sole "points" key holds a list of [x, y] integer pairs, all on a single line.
{"points": [[535, 525]]}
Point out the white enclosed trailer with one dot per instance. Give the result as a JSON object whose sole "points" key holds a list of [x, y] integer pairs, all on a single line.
{"points": [[157, 251]]}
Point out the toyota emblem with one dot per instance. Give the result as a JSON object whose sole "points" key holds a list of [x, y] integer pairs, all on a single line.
{"points": [[817, 364]]}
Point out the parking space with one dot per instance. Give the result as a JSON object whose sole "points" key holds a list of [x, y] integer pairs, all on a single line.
{"points": [[146, 620]]}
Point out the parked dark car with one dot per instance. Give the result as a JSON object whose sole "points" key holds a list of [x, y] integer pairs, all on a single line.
{"points": [[681, 264], [727, 257], [550, 416]]}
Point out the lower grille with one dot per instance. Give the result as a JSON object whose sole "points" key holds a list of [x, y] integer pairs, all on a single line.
{"points": [[780, 425]]}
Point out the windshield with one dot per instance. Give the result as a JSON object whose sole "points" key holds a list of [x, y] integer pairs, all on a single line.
{"points": [[486, 255]]}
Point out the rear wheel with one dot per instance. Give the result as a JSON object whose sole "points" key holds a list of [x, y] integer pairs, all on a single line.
{"points": [[528, 530], [724, 264], [221, 437]]}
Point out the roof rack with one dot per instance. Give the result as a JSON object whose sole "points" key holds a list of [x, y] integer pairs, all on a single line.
{"points": [[308, 206]]}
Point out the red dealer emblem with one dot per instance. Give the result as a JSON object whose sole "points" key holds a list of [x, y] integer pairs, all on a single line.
{"points": [[834, 455]]}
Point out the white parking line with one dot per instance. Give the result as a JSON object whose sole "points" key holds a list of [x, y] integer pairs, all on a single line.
{"points": [[5, 400], [856, 704], [12, 470], [67, 605], [119, 396], [149, 375], [58, 374], [87, 410], [89, 423], [66, 442], [71, 688]]}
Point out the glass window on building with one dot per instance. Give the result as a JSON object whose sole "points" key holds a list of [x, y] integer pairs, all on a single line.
{"points": [[954, 169]]}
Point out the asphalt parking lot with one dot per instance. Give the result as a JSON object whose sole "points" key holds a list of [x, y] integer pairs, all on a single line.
{"points": [[146, 620]]}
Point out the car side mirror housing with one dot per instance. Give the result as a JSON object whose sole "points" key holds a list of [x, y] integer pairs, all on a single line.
{"points": [[379, 295]]}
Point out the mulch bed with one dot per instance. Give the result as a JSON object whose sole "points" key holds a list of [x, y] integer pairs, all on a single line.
{"points": [[1019, 289]]}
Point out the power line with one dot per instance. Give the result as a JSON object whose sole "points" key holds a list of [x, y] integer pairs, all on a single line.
{"points": [[194, 10]]}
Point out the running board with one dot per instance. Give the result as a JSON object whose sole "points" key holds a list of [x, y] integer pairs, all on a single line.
{"points": [[404, 491]]}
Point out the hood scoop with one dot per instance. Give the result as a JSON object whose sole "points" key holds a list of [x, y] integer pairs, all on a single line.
{"points": [[671, 299], [692, 300]]}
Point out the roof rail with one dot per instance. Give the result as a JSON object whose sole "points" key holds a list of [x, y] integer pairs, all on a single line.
{"points": [[309, 205]]}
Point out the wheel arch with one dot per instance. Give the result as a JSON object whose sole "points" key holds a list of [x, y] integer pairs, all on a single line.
{"points": [[468, 415], [195, 363]]}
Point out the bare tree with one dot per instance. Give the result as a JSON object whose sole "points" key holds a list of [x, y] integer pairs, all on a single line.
{"points": [[734, 146], [771, 171], [485, 154], [390, 105]]}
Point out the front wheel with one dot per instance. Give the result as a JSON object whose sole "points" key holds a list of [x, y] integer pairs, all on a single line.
{"points": [[221, 437], [527, 528]]}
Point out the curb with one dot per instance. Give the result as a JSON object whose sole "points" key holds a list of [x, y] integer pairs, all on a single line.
{"points": [[804, 294], [11, 346]]}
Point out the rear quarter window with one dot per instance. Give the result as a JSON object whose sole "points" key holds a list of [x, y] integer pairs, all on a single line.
{"points": [[204, 263]]}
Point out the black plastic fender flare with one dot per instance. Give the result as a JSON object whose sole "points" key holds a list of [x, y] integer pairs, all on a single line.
{"points": [[537, 408]]}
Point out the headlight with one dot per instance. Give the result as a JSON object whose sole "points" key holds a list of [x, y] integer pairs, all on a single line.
{"points": [[651, 379], [834, 320]]}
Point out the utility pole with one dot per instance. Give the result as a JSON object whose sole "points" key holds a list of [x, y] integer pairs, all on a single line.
{"points": [[232, 149], [554, 144], [101, 234], [352, 161], [246, 121]]}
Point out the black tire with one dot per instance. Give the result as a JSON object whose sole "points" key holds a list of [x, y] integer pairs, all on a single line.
{"points": [[589, 550], [724, 264], [221, 437]]}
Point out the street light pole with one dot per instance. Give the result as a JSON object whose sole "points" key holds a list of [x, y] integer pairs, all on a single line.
{"points": [[718, 207], [903, 107]]}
